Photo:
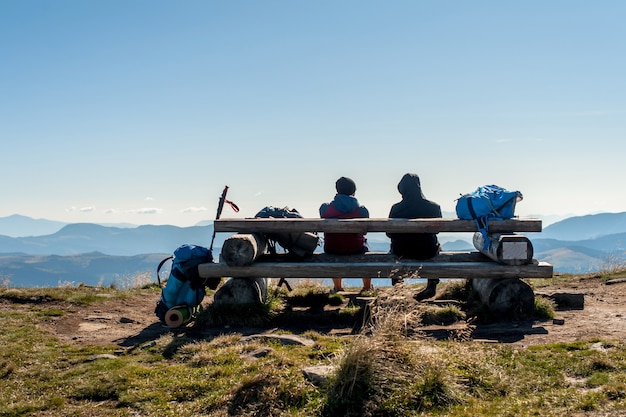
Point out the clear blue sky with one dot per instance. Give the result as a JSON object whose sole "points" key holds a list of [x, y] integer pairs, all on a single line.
{"points": [[142, 111]]}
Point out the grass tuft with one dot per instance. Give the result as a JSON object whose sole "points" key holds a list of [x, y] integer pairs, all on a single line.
{"points": [[544, 308], [308, 294], [442, 315]]}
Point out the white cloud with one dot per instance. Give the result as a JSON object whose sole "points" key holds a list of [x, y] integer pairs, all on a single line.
{"points": [[111, 211], [147, 210], [88, 209], [193, 209], [148, 199]]}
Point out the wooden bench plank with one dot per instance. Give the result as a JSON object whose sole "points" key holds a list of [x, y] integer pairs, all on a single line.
{"points": [[372, 225], [379, 265]]}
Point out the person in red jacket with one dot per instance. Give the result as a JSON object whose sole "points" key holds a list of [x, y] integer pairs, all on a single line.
{"points": [[345, 206]]}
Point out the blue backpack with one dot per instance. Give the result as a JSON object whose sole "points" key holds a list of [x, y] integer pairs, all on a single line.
{"points": [[486, 203], [185, 289]]}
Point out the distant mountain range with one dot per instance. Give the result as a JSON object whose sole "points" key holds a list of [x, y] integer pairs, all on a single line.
{"points": [[591, 226], [79, 238], [48, 252], [17, 225]]}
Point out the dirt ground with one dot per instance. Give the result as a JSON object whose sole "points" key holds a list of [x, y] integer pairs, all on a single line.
{"points": [[131, 322]]}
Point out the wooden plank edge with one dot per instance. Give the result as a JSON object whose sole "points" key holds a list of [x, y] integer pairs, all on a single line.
{"points": [[378, 270]]}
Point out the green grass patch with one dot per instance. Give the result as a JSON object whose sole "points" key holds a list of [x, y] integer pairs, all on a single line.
{"points": [[383, 371]]}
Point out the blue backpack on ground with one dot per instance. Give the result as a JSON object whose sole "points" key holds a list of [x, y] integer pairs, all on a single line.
{"points": [[488, 202], [185, 289]]}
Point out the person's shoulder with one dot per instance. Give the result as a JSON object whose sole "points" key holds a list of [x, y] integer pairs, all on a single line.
{"points": [[435, 207], [434, 203]]}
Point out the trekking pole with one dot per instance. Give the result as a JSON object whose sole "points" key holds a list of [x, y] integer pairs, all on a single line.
{"points": [[220, 207]]}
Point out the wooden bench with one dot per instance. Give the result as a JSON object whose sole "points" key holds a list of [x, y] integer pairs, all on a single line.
{"points": [[471, 264]]}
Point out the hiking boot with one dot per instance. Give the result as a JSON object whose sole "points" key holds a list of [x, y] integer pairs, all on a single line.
{"points": [[367, 292], [397, 281], [429, 291]]}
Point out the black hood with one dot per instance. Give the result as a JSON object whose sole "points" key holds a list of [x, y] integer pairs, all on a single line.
{"points": [[410, 186]]}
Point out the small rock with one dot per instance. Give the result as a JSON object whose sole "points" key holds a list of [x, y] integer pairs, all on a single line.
{"points": [[285, 339], [559, 322], [126, 320], [318, 375], [568, 301], [102, 356], [598, 346], [257, 353], [149, 344]]}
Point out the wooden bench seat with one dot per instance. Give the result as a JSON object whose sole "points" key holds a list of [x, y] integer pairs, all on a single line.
{"points": [[378, 265], [372, 225]]}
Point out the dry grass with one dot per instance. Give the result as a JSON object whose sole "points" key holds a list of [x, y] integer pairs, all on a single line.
{"points": [[383, 373]]}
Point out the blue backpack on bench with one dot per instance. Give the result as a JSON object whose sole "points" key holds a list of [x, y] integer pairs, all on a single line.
{"points": [[488, 202]]}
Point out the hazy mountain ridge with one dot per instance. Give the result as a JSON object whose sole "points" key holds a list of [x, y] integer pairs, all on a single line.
{"points": [[79, 238], [97, 254], [586, 227], [94, 268], [17, 225]]}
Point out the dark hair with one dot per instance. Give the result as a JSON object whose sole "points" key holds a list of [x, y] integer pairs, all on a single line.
{"points": [[345, 185]]}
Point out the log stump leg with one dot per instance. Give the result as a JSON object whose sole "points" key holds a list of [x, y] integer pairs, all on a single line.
{"points": [[242, 291], [505, 296], [243, 249], [507, 249]]}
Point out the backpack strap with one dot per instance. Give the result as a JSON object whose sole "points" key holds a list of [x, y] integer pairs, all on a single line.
{"points": [[271, 246], [159, 269], [483, 227], [470, 207]]}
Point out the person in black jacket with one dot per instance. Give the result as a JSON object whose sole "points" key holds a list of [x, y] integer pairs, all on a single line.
{"points": [[415, 245]]}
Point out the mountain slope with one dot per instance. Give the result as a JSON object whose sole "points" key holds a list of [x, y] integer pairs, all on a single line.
{"points": [[586, 227]]}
